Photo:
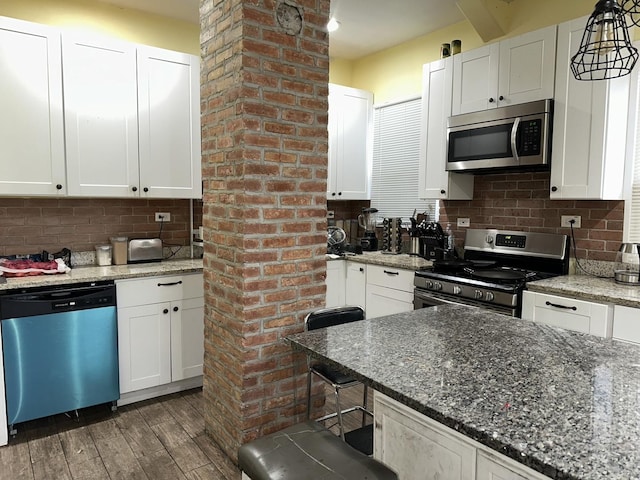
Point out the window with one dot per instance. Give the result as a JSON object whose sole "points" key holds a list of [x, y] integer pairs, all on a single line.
{"points": [[396, 144]]}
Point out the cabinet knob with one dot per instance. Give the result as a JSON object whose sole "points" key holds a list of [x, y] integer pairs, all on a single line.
{"points": [[175, 309], [442, 192], [333, 194], [135, 189], [146, 189], [491, 100], [165, 311], [554, 189], [59, 187], [500, 98], [361, 269], [339, 193]]}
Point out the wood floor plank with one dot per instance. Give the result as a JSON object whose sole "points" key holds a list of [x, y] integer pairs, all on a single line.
{"points": [[16, 462], [160, 466], [78, 445], [45, 447], [118, 459], [104, 429], [207, 472], [195, 398], [140, 437], [154, 413], [185, 414], [170, 433], [188, 456], [217, 457], [89, 469], [51, 467]]}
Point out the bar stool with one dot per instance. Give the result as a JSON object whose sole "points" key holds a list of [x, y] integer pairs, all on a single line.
{"points": [[328, 317]]}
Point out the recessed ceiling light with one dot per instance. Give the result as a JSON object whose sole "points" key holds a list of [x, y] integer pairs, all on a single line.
{"points": [[333, 25]]}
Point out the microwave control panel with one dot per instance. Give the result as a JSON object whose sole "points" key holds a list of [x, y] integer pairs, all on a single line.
{"points": [[529, 137]]}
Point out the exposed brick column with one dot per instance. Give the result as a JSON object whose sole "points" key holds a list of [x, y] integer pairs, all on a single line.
{"points": [[264, 138]]}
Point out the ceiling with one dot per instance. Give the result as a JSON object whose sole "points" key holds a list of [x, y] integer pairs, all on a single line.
{"points": [[367, 26]]}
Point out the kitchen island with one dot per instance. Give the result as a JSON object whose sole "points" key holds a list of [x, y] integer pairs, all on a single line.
{"points": [[565, 404]]}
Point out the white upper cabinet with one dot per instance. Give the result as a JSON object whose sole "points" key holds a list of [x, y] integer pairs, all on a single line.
{"points": [[101, 117], [169, 123], [589, 128], [517, 70], [31, 119], [350, 126], [434, 180]]}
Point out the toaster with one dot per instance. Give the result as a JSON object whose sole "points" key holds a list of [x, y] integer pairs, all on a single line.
{"points": [[145, 250]]}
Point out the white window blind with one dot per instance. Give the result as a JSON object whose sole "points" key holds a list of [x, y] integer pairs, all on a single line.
{"points": [[396, 144], [631, 232]]}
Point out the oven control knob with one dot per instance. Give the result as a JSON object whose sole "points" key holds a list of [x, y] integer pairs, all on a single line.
{"points": [[437, 286], [457, 290], [489, 296], [429, 284], [489, 239], [478, 294]]}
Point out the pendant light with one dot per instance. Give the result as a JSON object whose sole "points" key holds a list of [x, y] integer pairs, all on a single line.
{"points": [[632, 8], [605, 50]]}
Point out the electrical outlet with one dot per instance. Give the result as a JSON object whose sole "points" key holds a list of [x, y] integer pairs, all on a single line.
{"points": [[463, 222], [565, 221], [163, 217]]}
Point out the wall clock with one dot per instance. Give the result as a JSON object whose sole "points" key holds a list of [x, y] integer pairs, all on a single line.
{"points": [[289, 17]]}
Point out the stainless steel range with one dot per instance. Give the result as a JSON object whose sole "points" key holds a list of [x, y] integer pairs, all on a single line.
{"points": [[496, 267]]}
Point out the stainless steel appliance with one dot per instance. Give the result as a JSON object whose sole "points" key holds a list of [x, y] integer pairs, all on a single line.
{"points": [[60, 350], [144, 250], [496, 267], [516, 137], [368, 221]]}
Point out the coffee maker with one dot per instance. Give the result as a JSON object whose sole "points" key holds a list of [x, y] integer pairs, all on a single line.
{"points": [[367, 220]]}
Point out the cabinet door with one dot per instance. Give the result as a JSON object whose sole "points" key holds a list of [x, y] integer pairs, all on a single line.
{"points": [[350, 143], [169, 114], [356, 285], [144, 346], [187, 338], [101, 123], [408, 444], [475, 79], [382, 301], [589, 128], [626, 324], [434, 180], [488, 468], [31, 120], [527, 67], [335, 283]]}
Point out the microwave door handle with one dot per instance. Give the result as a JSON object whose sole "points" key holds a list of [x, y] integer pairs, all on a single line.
{"points": [[514, 137]]}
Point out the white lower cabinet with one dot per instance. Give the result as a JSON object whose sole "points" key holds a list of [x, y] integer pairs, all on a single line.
{"points": [[335, 282], [419, 448], [356, 286], [160, 333], [389, 291], [626, 324], [564, 312]]}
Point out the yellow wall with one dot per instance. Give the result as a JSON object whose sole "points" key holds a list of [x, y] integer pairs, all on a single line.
{"points": [[395, 73], [99, 18]]}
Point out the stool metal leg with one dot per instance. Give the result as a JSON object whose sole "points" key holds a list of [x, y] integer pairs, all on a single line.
{"points": [[339, 411], [365, 407], [309, 381]]}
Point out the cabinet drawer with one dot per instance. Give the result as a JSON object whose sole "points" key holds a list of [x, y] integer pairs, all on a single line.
{"points": [[166, 288], [626, 324], [391, 277], [577, 315]]}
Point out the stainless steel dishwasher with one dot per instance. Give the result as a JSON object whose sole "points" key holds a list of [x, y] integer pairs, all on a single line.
{"points": [[60, 350]]}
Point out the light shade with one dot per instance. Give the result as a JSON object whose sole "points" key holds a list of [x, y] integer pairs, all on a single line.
{"points": [[632, 8], [333, 25], [605, 50]]}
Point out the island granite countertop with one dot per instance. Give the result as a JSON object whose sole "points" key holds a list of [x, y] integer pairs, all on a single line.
{"points": [[402, 260], [563, 403], [597, 289], [112, 272]]}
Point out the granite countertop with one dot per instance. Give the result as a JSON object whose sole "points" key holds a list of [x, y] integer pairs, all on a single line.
{"points": [[597, 289], [403, 260], [563, 403], [113, 272]]}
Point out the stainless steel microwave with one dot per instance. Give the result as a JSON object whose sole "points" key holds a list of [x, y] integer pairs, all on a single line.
{"points": [[516, 137]]}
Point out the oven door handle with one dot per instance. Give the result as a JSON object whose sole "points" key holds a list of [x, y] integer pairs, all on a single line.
{"points": [[514, 139]]}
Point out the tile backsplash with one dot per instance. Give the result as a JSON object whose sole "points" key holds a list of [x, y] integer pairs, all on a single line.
{"points": [[30, 225]]}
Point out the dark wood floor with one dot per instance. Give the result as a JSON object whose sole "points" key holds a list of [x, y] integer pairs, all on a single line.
{"points": [[156, 439]]}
